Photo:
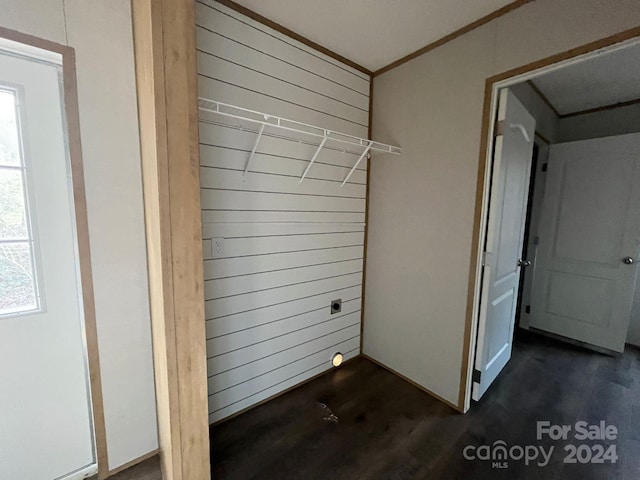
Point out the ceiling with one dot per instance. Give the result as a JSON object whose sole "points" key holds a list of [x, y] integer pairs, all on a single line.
{"points": [[605, 80], [373, 33]]}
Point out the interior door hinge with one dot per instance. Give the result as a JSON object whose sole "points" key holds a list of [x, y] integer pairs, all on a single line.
{"points": [[545, 166], [527, 309], [536, 240], [499, 128], [477, 375]]}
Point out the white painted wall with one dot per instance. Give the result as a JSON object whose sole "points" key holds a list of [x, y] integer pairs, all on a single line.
{"points": [[606, 123], [290, 248], [422, 203], [101, 34]]}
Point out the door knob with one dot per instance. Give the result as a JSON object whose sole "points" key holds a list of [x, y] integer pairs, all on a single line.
{"points": [[524, 263], [628, 260]]}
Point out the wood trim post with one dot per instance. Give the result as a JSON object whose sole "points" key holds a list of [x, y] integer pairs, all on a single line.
{"points": [[366, 221], [164, 43], [84, 255]]}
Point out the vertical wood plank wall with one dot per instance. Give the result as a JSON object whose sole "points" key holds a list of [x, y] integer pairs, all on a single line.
{"points": [[288, 248]]}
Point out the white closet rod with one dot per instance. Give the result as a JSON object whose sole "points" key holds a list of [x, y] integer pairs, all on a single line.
{"points": [[268, 120]]}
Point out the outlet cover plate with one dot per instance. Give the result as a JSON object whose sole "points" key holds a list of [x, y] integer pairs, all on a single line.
{"points": [[217, 247]]}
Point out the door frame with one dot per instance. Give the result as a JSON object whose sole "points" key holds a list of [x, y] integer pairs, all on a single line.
{"points": [[485, 170], [71, 123]]}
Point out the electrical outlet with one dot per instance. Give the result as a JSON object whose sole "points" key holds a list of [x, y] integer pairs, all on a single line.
{"points": [[336, 306], [217, 247]]}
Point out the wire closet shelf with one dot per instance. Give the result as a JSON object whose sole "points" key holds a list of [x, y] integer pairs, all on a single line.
{"points": [[296, 132]]}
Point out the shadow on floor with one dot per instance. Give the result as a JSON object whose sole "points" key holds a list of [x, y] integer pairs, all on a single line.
{"points": [[388, 429]]}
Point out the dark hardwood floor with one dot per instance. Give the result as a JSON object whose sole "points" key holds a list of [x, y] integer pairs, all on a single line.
{"points": [[389, 429], [147, 470]]}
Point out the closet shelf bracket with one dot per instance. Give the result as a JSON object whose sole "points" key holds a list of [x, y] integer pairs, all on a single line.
{"points": [[315, 155], [353, 169], [253, 150]]}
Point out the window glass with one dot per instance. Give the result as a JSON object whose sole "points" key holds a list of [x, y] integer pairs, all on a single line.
{"points": [[18, 285], [13, 214], [9, 142]]}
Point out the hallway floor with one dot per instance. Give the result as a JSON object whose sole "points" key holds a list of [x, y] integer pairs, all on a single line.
{"points": [[388, 429]]}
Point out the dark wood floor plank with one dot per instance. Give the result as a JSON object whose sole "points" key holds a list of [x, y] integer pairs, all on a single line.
{"points": [[389, 429]]}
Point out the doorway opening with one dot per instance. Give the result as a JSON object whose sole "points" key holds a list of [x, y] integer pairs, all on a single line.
{"points": [[560, 227]]}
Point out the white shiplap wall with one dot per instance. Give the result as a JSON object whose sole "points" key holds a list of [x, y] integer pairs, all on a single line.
{"points": [[289, 248]]}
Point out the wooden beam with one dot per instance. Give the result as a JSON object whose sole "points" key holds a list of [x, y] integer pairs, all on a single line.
{"points": [[164, 42]]}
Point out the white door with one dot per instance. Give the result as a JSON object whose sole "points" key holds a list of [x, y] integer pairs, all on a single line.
{"points": [[582, 288], [46, 427], [505, 231]]}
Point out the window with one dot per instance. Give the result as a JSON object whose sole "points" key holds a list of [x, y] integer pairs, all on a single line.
{"points": [[18, 276]]}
